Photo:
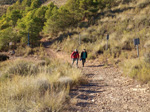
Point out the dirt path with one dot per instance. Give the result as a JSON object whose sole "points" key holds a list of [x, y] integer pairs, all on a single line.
{"points": [[107, 90]]}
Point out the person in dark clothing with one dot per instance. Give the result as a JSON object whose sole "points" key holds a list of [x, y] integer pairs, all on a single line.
{"points": [[83, 57]]}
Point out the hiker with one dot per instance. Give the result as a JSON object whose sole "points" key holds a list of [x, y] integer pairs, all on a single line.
{"points": [[83, 57], [75, 57]]}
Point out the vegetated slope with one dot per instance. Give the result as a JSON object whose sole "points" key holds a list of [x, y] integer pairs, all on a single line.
{"points": [[123, 23], [4, 4], [30, 17]]}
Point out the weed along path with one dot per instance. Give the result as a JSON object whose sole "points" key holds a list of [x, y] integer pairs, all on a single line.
{"points": [[107, 90]]}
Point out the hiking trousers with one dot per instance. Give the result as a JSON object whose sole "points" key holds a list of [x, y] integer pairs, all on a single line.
{"points": [[73, 60], [83, 62]]}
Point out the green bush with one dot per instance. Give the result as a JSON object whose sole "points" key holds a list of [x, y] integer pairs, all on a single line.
{"points": [[6, 36]]}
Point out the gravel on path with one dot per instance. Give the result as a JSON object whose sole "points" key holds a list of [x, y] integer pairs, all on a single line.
{"points": [[109, 91]]}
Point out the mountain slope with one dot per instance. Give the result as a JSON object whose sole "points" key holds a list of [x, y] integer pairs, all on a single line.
{"points": [[123, 23]]}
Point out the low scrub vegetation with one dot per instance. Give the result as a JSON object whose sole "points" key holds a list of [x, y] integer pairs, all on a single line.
{"points": [[36, 86], [138, 68], [28, 51]]}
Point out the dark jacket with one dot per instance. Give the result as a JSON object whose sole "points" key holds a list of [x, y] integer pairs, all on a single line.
{"points": [[82, 54]]}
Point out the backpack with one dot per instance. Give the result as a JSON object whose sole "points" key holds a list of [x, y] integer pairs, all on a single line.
{"points": [[74, 54]]}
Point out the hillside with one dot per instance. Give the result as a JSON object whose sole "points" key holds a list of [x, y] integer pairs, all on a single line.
{"points": [[123, 23], [4, 4], [39, 37], [122, 20]]}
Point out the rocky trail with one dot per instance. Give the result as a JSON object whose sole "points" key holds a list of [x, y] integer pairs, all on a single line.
{"points": [[107, 90]]}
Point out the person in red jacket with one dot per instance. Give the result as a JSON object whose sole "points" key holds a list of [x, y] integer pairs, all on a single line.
{"points": [[75, 57]]}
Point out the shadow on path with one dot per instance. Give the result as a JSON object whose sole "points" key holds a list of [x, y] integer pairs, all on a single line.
{"points": [[95, 65], [102, 65], [84, 94], [84, 104]]}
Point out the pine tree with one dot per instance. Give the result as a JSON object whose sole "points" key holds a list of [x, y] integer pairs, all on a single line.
{"points": [[14, 16], [35, 4]]}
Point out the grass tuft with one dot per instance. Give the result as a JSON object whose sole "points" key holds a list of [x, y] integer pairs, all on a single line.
{"points": [[137, 69]]}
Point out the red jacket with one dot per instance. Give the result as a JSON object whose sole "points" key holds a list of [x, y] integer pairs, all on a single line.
{"points": [[75, 55]]}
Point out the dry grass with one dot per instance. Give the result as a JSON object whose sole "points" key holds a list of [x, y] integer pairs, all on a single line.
{"points": [[26, 51], [36, 89], [138, 69], [30, 94]]}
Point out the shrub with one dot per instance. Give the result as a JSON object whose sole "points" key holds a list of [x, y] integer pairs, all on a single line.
{"points": [[137, 68], [26, 94], [36, 87], [7, 36], [22, 67]]}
